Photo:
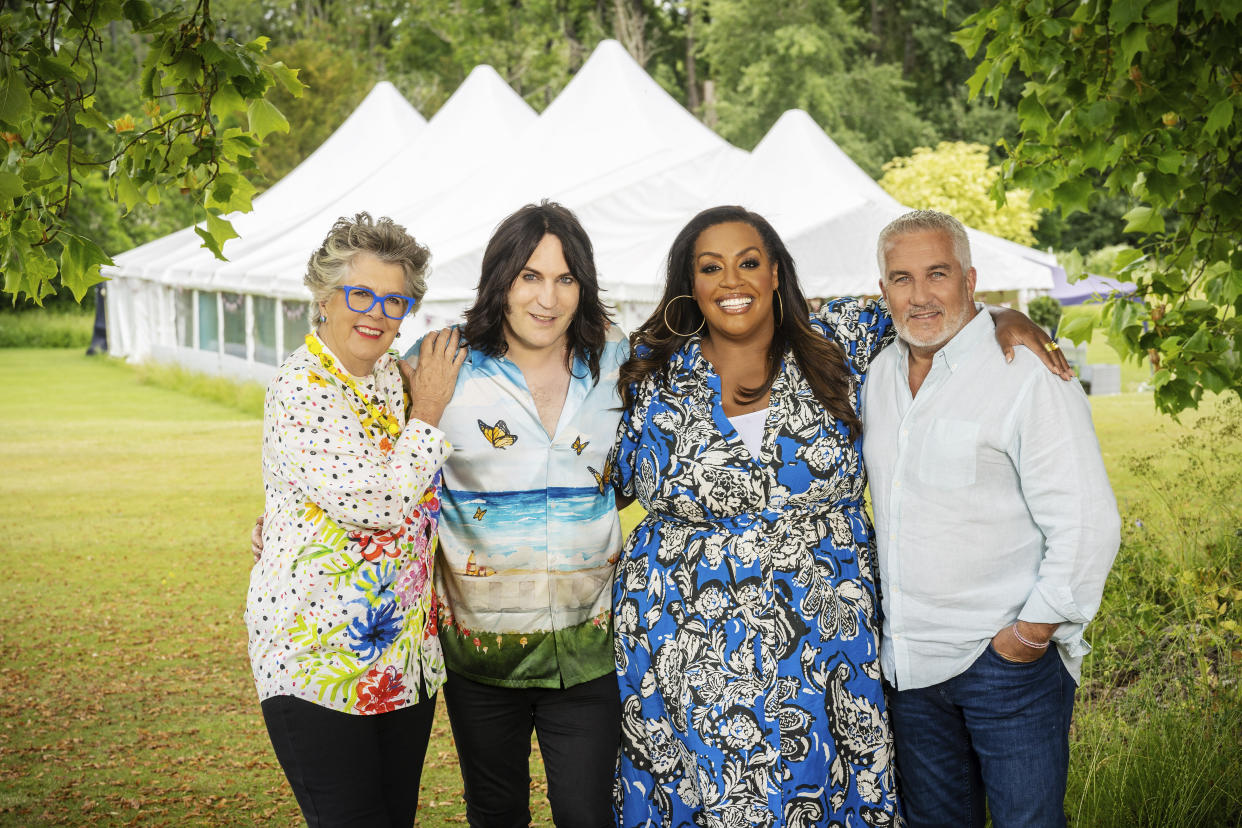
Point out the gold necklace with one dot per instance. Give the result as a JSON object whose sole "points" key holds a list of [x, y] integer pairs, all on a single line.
{"points": [[378, 415]]}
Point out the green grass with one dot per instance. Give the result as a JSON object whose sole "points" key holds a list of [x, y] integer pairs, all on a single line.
{"points": [[41, 328], [125, 693]]}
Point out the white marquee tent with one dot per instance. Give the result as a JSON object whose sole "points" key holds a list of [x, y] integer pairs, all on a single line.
{"points": [[830, 213], [158, 308], [613, 146]]}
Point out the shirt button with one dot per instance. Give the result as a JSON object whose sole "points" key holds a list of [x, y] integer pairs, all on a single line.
{"points": [[897, 484]]}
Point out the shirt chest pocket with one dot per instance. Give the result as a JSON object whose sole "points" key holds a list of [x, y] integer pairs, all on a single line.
{"points": [[949, 454]]}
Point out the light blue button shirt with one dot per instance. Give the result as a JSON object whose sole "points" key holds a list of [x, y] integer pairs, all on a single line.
{"points": [[991, 504]]}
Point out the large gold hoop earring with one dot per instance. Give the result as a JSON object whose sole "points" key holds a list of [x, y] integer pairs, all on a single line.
{"points": [[779, 307], [670, 327]]}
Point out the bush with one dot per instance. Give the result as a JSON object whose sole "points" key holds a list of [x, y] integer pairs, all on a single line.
{"points": [[47, 328], [1045, 312]]}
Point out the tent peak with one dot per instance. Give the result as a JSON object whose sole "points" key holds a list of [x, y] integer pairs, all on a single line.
{"points": [[484, 89]]}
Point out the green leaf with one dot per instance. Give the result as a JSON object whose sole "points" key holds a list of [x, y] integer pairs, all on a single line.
{"points": [[1146, 220], [217, 232], [1163, 13], [1133, 41], [11, 186], [92, 119], [265, 119], [1073, 194], [288, 78], [1220, 117], [80, 259], [126, 190], [1124, 12], [14, 101], [1169, 161], [138, 12], [1128, 259], [1078, 329], [1035, 117]]}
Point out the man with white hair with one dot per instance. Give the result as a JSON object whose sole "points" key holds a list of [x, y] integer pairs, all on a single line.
{"points": [[996, 528]]}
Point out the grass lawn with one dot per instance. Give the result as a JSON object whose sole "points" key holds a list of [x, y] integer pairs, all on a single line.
{"points": [[125, 692]]}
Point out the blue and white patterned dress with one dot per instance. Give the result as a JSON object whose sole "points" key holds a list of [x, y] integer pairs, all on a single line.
{"points": [[745, 606]]}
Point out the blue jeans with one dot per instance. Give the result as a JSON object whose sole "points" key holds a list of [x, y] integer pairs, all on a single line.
{"points": [[998, 732]]}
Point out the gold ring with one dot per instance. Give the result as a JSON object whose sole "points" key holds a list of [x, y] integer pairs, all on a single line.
{"points": [[1051, 346]]}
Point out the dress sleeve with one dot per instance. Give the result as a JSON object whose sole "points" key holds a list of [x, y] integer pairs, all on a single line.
{"points": [[863, 327], [629, 433], [320, 449]]}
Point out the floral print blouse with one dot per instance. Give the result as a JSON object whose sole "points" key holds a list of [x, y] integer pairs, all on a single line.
{"points": [[340, 607]]}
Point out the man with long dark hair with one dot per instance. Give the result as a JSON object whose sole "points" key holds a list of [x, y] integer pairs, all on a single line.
{"points": [[529, 531]]}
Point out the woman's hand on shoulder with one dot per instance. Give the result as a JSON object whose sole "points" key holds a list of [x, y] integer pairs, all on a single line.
{"points": [[1014, 328], [431, 381]]}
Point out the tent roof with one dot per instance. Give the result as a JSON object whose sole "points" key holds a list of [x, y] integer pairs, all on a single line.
{"points": [[1089, 287], [380, 126], [830, 213], [471, 126]]}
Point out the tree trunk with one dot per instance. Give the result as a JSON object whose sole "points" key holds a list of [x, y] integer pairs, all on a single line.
{"points": [[693, 101]]}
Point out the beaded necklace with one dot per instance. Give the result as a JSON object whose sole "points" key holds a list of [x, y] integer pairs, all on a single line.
{"points": [[378, 416]]}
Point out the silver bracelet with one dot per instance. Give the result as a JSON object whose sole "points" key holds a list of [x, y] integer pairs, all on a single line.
{"points": [[1030, 644]]}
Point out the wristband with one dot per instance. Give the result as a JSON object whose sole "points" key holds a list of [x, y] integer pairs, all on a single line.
{"points": [[1030, 644]]}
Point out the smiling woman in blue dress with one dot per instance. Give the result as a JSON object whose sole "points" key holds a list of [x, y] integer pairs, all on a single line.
{"points": [[745, 602]]}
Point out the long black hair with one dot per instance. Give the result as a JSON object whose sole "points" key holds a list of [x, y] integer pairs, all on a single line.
{"points": [[508, 250], [821, 359]]}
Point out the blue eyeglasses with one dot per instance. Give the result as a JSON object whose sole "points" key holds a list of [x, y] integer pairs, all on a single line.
{"points": [[393, 305]]}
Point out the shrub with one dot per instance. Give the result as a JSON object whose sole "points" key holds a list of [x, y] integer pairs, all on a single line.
{"points": [[1045, 311], [68, 328]]}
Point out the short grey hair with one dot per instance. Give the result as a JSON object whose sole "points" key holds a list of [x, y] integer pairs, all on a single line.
{"points": [[383, 238], [921, 221]]}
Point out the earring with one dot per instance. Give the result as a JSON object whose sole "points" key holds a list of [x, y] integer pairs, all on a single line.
{"points": [[779, 307], [670, 327], [321, 319]]}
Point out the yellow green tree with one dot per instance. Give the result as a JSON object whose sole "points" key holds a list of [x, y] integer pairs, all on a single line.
{"points": [[956, 178]]}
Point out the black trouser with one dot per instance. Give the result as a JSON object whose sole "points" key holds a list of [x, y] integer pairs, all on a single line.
{"points": [[348, 770], [579, 731]]}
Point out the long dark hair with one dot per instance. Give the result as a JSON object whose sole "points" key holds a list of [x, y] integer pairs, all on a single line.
{"points": [[821, 359], [508, 250]]}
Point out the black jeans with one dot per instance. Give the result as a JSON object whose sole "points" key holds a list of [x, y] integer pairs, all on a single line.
{"points": [[348, 770], [579, 731]]}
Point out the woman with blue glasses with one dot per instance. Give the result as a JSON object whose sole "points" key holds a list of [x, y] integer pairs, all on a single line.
{"points": [[340, 613]]}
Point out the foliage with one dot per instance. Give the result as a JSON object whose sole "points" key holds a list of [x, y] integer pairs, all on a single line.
{"points": [[955, 178], [766, 58], [915, 36], [71, 328], [335, 85], [1045, 311], [60, 136], [1137, 99], [1160, 713]]}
